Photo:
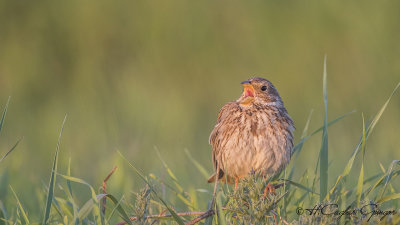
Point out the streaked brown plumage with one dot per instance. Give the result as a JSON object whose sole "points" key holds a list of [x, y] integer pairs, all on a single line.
{"points": [[253, 133]]}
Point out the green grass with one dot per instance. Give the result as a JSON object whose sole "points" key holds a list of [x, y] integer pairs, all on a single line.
{"points": [[163, 200], [3, 116], [323, 171]]}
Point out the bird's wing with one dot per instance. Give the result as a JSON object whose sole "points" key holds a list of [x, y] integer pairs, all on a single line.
{"points": [[216, 133], [223, 113]]}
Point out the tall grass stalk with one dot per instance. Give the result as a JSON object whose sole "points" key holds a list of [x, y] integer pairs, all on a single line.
{"points": [[323, 169]]}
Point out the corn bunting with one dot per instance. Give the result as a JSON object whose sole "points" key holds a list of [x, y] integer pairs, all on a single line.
{"points": [[252, 134]]}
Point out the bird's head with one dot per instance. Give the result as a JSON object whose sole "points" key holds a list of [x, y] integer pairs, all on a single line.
{"points": [[259, 90]]}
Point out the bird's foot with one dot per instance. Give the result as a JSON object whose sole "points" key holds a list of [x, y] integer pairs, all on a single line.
{"points": [[269, 189], [236, 183]]}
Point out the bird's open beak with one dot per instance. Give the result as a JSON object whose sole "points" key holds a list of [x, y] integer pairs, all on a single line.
{"points": [[248, 89]]}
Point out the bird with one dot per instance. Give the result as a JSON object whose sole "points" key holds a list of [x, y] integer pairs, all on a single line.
{"points": [[252, 134]]}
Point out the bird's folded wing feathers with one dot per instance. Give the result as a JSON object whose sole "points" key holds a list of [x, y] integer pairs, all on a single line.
{"points": [[215, 135], [225, 110]]}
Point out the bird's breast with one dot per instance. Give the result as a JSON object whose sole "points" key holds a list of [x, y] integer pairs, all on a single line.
{"points": [[255, 139]]}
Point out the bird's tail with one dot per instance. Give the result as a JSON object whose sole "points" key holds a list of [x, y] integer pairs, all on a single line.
{"points": [[224, 179], [212, 178]]}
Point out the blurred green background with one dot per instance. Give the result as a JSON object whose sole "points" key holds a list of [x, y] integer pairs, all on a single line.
{"points": [[132, 75]]}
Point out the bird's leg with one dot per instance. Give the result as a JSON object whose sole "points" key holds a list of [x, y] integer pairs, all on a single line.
{"points": [[236, 182], [269, 188], [215, 190]]}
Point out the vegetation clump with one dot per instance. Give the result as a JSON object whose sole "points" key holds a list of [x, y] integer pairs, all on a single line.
{"points": [[368, 199]]}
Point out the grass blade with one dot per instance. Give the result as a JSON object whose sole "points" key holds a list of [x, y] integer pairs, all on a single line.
{"points": [[361, 177], [113, 210], [75, 220], [301, 142], [300, 186], [389, 176], [299, 146], [53, 175], [9, 151], [389, 197], [64, 206], [86, 209], [369, 130], [202, 170], [386, 177], [69, 174], [181, 193], [316, 172], [96, 207], [324, 145], [118, 206], [173, 213], [378, 182], [3, 116], [3, 214], [24, 216], [78, 180], [169, 171], [379, 114], [305, 130]]}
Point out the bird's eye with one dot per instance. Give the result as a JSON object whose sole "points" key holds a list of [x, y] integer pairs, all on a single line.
{"points": [[263, 88]]}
